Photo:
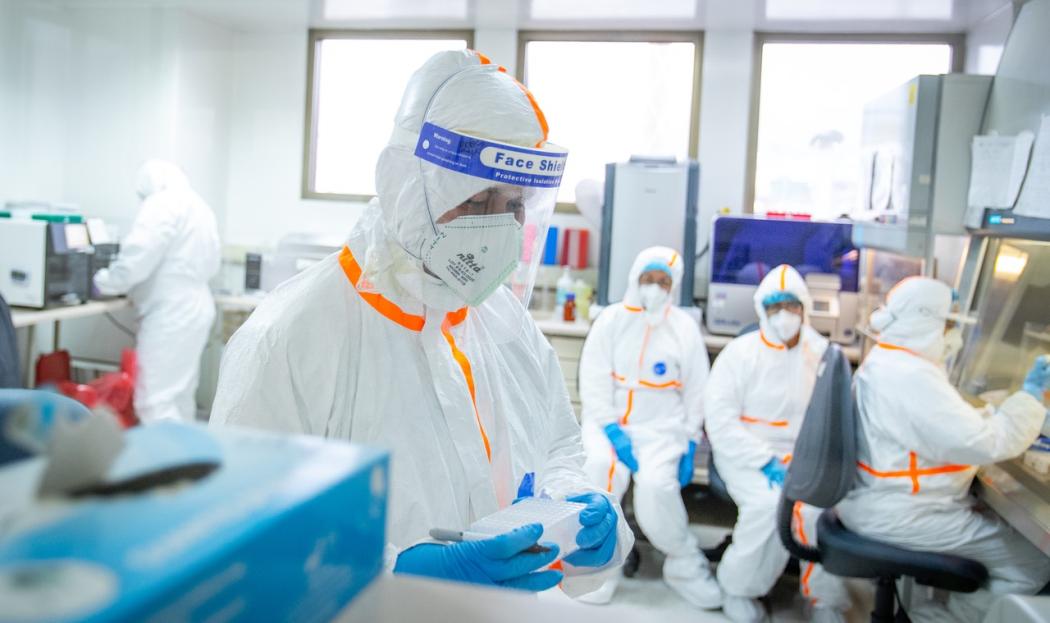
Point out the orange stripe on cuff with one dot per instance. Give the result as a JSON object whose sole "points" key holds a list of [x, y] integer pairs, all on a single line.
{"points": [[747, 419], [468, 375], [800, 529], [378, 302], [612, 469]]}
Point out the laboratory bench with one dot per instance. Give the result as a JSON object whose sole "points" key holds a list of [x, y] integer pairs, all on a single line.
{"points": [[29, 319], [1020, 497], [396, 598]]}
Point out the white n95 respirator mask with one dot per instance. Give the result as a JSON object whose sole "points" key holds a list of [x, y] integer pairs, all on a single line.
{"points": [[653, 296], [473, 255], [785, 325], [489, 204]]}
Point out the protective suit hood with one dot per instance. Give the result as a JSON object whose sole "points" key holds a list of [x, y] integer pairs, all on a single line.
{"points": [[464, 92], [914, 316], [157, 175], [783, 278], [664, 255]]}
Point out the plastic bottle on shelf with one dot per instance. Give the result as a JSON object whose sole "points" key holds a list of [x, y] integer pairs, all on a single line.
{"points": [[583, 292], [564, 287], [569, 309]]}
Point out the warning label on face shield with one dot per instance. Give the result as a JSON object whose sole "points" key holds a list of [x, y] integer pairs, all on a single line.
{"points": [[498, 162]]}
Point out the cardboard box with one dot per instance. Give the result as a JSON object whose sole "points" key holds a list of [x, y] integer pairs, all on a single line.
{"points": [[286, 529]]}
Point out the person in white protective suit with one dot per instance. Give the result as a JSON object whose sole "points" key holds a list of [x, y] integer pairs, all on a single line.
{"points": [[642, 375], [409, 338], [164, 266], [755, 403], [921, 445]]}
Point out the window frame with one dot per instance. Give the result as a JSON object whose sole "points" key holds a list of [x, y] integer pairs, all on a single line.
{"points": [[956, 42], [318, 35], [696, 37]]}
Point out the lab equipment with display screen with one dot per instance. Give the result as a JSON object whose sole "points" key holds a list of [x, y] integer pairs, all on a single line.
{"points": [[744, 249]]}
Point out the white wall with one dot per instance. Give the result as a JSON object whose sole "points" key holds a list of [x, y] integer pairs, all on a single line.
{"points": [[89, 94], [263, 199], [985, 41]]}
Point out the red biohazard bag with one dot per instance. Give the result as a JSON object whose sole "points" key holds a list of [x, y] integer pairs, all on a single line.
{"points": [[53, 368], [113, 390], [116, 390]]}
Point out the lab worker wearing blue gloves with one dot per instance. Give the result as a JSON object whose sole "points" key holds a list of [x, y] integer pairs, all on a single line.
{"points": [[409, 338], [755, 402], [921, 445], [642, 377]]}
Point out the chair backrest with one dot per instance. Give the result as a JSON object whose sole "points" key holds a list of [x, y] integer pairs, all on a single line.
{"points": [[823, 465], [10, 374]]}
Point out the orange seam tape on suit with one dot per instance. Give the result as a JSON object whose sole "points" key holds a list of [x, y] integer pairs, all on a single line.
{"points": [[464, 365], [765, 341], [747, 419], [913, 472]]}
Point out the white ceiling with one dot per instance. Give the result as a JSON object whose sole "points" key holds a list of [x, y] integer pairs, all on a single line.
{"points": [[891, 16]]}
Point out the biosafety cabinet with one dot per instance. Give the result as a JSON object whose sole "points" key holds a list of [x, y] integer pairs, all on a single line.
{"points": [[916, 166]]}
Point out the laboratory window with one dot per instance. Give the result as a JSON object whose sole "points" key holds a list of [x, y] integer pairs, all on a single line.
{"points": [[355, 87], [808, 157], [607, 100]]}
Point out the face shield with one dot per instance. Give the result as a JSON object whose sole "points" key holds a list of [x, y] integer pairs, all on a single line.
{"points": [[489, 205]]}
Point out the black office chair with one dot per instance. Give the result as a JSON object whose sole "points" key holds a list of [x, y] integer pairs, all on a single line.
{"points": [[10, 372], [822, 472]]}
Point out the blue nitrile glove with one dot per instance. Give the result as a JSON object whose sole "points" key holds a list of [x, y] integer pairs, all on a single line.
{"points": [[775, 472], [1038, 379], [621, 444], [685, 465], [499, 561], [597, 538], [526, 489]]}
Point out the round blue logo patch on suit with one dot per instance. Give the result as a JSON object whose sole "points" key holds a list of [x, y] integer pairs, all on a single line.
{"points": [[660, 368]]}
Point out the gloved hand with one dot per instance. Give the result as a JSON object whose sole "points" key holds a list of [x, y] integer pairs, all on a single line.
{"points": [[1038, 379], [685, 465], [597, 538], [499, 561], [621, 444], [775, 472]]}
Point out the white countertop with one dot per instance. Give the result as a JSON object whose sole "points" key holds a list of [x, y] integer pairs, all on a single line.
{"points": [[393, 598], [555, 326], [23, 317], [239, 302]]}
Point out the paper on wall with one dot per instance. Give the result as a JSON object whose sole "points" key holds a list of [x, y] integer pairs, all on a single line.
{"points": [[1035, 194], [997, 169]]}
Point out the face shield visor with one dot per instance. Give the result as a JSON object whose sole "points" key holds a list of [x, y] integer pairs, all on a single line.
{"points": [[489, 205]]}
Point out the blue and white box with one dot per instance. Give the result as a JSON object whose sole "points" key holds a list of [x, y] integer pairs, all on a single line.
{"points": [[283, 529]]}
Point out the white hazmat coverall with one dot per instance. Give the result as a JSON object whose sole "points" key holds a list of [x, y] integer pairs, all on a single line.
{"points": [[646, 371], [164, 266], [367, 347], [755, 403], [921, 445]]}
